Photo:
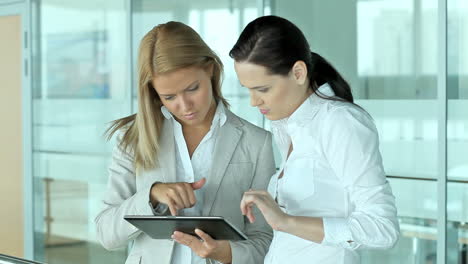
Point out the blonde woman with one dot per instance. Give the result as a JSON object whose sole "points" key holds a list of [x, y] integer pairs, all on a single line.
{"points": [[184, 153]]}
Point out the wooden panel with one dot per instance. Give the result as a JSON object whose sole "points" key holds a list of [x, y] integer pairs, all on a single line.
{"points": [[11, 156]]}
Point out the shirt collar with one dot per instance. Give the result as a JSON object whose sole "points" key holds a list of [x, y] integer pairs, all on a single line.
{"points": [[220, 114], [283, 129]]}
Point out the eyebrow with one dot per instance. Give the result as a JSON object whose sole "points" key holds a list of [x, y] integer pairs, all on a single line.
{"points": [[190, 86]]}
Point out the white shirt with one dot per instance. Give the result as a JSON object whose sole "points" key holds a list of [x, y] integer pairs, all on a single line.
{"points": [[335, 172], [191, 170]]}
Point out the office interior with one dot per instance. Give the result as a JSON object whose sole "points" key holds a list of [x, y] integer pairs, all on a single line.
{"points": [[68, 68]]}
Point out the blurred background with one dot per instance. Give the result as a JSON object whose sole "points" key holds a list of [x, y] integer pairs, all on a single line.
{"points": [[74, 72]]}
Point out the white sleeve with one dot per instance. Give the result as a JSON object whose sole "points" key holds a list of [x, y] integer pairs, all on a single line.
{"points": [[351, 146]]}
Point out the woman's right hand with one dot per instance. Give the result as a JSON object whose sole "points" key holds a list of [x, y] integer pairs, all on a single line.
{"points": [[177, 195]]}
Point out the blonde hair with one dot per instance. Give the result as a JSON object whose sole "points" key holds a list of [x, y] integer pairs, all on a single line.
{"points": [[165, 48]]}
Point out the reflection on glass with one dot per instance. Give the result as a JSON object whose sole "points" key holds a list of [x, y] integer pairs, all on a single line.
{"points": [[457, 89], [457, 131], [83, 84], [397, 43], [457, 227], [417, 244], [77, 61], [418, 224]]}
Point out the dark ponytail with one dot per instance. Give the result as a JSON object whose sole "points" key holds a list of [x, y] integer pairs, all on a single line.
{"points": [[276, 43], [323, 72]]}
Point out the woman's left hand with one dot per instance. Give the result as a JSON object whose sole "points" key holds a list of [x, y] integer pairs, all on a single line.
{"points": [[207, 247], [269, 208]]}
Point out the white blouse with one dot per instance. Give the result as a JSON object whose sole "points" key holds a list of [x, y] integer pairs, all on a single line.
{"points": [[191, 170], [335, 172]]}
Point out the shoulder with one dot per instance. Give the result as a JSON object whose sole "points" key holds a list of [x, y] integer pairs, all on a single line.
{"points": [[342, 121], [122, 143], [253, 138], [251, 130], [342, 114]]}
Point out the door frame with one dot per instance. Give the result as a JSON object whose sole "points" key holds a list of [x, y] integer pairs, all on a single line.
{"points": [[23, 9]]}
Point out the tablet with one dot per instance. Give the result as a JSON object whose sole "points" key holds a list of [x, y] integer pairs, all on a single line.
{"points": [[162, 227]]}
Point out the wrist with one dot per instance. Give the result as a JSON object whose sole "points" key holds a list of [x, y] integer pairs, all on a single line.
{"points": [[154, 201], [225, 253], [286, 223]]}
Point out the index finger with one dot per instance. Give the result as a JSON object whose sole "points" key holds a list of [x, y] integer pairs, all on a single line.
{"points": [[191, 195], [247, 201]]}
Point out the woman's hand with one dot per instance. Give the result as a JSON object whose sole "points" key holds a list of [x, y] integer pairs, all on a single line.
{"points": [[207, 247], [269, 208], [177, 196]]}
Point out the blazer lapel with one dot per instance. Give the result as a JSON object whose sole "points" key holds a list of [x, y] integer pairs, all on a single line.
{"points": [[167, 161], [226, 143], [166, 154]]}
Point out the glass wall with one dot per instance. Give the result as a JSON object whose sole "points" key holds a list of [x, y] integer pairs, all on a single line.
{"points": [[84, 76], [81, 82], [457, 131], [397, 69]]}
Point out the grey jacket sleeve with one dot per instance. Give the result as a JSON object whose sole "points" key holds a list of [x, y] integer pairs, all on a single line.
{"points": [[121, 198], [254, 249]]}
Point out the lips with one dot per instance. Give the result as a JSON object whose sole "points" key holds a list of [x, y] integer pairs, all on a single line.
{"points": [[264, 111], [190, 116]]}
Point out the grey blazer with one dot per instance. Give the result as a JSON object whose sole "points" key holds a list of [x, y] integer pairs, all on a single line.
{"points": [[243, 160]]}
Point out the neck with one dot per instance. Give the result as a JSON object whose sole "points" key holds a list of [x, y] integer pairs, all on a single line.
{"points": [[308, 92], [206, 124]]}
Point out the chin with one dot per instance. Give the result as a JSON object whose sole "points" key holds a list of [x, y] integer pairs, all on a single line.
{"points": [[274, 117], [193, 122]]}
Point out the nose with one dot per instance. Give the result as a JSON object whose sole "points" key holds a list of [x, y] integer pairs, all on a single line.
{"points": [[185, 103], [255, 100]]}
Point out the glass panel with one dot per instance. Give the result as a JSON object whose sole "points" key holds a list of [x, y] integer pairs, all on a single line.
{"points": [[396, 47], [389, 61], [82, 84], [418, 225], [457, 90], [218, 23], [457, 218], [396, 64], [457, 132]]}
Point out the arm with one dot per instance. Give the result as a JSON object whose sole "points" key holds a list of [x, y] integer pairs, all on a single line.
{"points": [[121, 198], [351, 146], [309, 228]]}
